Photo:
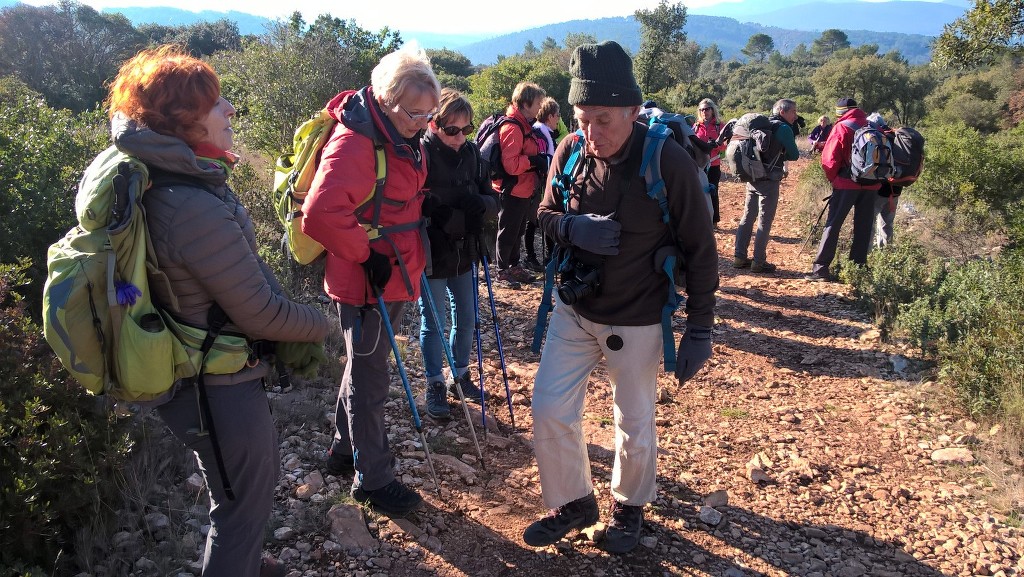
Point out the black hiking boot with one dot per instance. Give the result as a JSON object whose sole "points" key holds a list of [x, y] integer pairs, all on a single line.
{"points": [[469, 388], [623, 533], [393, 499], [577, 514], [339, 464]]}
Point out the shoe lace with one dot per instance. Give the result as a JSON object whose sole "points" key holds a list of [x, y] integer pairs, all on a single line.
{"points": [[625, 516]]}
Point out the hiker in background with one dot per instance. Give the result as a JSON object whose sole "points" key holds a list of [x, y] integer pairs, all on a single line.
{"points": [[819, 134], [709, 129], [621, 321], [166, 109], [394, 110], [846, 194], [888, 194], [547, 132], [523, 162], [464, 200], [762, 198]]}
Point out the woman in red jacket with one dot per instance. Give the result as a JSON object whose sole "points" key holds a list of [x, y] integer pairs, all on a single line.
{"points": [[364, 262], [709, 129], [523, 162]]}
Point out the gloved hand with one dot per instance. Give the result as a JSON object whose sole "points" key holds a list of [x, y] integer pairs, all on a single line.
{"points": [[539, 163], [472, 202], [694, 351], [591, 232], [302, 358], [378, 271]]}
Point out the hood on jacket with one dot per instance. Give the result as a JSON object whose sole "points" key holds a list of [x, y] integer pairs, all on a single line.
{"points": [[161, 151], [359, 110]]}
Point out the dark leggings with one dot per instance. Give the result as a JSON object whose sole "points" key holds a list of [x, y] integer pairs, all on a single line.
{"points": [[714, 177]]}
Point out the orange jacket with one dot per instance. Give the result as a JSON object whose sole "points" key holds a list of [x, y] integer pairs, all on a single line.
{"points": [[517, 146]]}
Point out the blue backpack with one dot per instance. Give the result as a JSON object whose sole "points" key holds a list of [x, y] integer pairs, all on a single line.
{"points": [[871, 159], [650, 168]]}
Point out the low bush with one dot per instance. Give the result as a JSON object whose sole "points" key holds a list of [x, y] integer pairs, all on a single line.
{"points": [[59, 448], [973, 324]]}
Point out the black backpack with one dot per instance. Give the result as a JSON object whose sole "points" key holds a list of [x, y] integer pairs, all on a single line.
{"points": [[489, 142]]}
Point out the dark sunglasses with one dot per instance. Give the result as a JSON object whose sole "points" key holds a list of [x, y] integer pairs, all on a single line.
{"points": [[453, 130]]}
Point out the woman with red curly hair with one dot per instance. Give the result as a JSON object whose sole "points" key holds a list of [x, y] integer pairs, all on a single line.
{"points": [[167, 111]]}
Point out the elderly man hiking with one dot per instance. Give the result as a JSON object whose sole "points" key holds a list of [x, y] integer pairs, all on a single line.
{"points": [[608, 231]]}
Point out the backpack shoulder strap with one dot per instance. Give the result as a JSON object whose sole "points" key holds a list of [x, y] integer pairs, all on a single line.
{"points": [[650, 169], [560, 184]]}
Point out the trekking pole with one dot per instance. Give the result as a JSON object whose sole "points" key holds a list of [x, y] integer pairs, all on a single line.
{"points": [[476, 335], [497, 332], [385, 318], [814, 227], [447, 347]]}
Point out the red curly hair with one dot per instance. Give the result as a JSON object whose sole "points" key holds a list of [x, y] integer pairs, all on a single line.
{"points": [[167, 90]]}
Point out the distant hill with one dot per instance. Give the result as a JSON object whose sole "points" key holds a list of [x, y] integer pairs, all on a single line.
{"points": [[908, 17], [247, 23], [728, 33], [730, 36]]}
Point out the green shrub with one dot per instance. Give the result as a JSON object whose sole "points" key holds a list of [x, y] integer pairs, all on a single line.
{"points": [[895, 277], [973, 324], [43, 152], [59, 450]]}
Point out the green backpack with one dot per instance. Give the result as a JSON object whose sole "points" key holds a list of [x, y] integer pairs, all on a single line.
{"points": [[293, 175], [98, 312]]}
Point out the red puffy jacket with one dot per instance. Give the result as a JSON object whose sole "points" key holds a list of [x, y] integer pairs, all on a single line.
{"points": [[838, 148], [344, 178], [516, 150]]}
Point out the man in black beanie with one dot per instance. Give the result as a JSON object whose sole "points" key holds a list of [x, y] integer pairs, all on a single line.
{"points": [[608, 232]]}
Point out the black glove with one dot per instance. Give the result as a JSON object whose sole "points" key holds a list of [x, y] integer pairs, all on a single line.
{"points": [[800, 121], [539, 163], [378, 271], [472, 203], [474, 223], [694, 351], [436, 210]]}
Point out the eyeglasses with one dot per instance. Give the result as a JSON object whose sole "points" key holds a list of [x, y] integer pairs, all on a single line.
{"points": [[428, 116], [453, 130]]}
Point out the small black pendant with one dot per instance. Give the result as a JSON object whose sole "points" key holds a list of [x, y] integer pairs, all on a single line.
{"points": [[614, 342]]}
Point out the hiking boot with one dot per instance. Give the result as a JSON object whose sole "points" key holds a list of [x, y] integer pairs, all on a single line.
{"points": [[505, 277], [340, 464], [469, 388], [520, 274], [271, 567], [392, 499], [762, 266], [577, 514], [437, 402], [741, 262], [623, 532], [532, 264], [818, 277]]}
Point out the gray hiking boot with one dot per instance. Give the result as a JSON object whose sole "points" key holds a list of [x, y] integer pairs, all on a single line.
{"points": [[437, 401], [392, 499]]}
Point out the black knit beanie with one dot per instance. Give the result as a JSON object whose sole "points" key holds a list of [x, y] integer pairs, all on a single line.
{"points": [[602, 75]]}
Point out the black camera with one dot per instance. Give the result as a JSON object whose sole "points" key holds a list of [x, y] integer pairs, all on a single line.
{"points": [[578, 282]]}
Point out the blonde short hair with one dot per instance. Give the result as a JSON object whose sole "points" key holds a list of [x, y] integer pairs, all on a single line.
{"points": [[402, 71], [526, 93]]}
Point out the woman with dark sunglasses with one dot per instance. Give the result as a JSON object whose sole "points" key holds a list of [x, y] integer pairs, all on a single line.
{"points": [[458, 199]]}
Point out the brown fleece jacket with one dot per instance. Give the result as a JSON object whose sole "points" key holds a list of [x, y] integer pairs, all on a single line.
{"points": [[632, 290]]}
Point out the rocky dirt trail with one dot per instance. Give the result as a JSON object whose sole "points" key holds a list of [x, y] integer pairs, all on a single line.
{"points": [[805, 447]]}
